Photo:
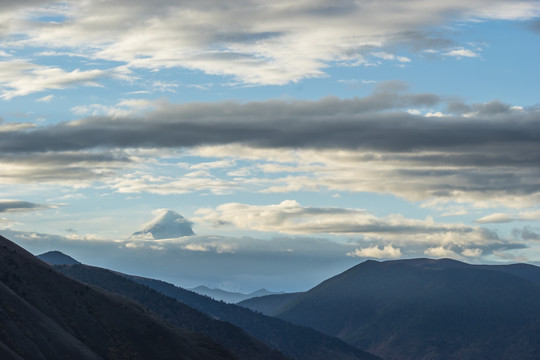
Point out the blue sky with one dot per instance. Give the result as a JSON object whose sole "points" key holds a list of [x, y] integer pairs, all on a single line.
{"points": [[299, 138]]}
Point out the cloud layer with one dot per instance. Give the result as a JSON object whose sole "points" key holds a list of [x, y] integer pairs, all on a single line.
{"points": [[250, 41], [483, 153]]}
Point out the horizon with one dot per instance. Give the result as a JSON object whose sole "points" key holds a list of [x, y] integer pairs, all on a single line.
{"points": [[294, 139]]}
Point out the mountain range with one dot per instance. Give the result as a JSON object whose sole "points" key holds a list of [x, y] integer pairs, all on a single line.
{"points": [[46, 315], [426, 309], [204, 335], [229, 296], [402, 309]]}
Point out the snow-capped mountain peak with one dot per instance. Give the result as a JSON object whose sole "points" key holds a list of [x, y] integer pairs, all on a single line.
{"points": [[167, 224]]}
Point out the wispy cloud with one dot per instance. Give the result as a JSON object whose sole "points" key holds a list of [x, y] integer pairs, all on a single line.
{"points": [[509, 217], [19, 78], [255, 42]]}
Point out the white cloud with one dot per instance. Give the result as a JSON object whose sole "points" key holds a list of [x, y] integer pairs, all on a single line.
{"points": [[505, 217], [19, 78], [164, 185], [291, 218], [388, 251], [459, 53], [254, 42], [46, 98], [441, 252]]}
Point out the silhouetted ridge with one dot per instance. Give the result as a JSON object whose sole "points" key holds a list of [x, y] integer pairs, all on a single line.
{"points": [[57, 258], [46, 315], [240, 343], [426, 309]]}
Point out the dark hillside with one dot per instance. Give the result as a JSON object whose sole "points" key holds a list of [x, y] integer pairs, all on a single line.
{"points": [[240, 343], [295, 341], [426, 309], [268, 304], [46, 315]]}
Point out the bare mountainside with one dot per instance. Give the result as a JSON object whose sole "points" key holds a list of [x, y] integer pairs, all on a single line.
{"points": [[46, 315], [169, 301], [428, 309]]}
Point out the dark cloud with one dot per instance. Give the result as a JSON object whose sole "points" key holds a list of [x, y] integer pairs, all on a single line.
{"points": [[534, 26], [495, 149], [372, 123], [526, 233], [423, 40], [240, 37], [19, 205]]}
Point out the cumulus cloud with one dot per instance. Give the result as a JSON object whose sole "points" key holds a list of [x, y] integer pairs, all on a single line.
{"points": [[290, 217], [441, 252], [388, 252]]}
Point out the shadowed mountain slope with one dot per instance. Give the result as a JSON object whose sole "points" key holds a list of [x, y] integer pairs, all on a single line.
{"points": [[228, 296], [294, 341], [46, 315], [426, 309], [269, 304], [240, 343], [57, 258]]}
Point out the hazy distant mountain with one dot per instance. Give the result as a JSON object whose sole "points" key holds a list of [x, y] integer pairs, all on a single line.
{"points": [[427, 309], [297, 342], [167, 224], [229, 296], [239, 342], [268, 304], [57, 258], [46, 315]]}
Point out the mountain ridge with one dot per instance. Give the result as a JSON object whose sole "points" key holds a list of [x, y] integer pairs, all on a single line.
{"points": [[425, 309], [46, 315]]}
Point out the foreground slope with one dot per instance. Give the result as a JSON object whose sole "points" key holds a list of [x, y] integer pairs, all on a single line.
{"points": [[240, 343], [427, 309], [46, 315]]}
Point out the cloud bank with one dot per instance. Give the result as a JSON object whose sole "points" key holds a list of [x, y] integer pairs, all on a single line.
{"points": [[479, 153]]}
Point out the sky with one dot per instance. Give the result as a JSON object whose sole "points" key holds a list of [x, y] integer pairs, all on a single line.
{"points": [[297, 138]]}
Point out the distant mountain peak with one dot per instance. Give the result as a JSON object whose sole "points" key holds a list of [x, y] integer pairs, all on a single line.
{"points": [[167, 224], [57, 258]]}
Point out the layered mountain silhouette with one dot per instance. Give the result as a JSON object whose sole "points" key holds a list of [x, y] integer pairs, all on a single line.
{"points": [[428, 309], [57, 258], [166, 225], [46, 315], [269, 304], [226, 334], [229, 296], [402, 309], [172, 302]]}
